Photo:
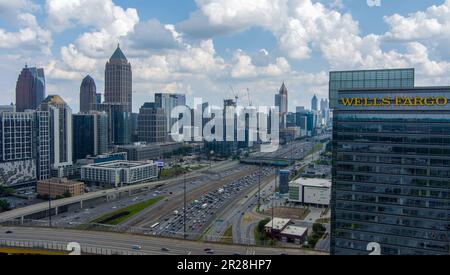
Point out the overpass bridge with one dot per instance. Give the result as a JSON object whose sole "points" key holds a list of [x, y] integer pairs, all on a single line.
{"points": [[41, 210], [277, 162]]}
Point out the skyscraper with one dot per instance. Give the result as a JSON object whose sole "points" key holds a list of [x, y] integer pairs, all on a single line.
{"points": [[119, 122], [281, 101], [325, 111], [168, 102], [93, 139], [42, 129], [152, 124], [17, 147], [391, 171], [60, 132], [314, 104], [118, 80], [88, 95], [30, 89]]}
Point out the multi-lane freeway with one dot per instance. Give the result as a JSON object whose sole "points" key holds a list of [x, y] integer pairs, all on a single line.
{"points": [[146, 244]]}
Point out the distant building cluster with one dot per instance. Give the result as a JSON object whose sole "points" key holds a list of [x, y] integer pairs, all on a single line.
{"points": [[41, 139]]}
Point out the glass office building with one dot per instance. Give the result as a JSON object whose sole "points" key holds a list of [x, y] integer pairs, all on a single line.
{"points": [[90, 135], [368, 79], [391, 171]]}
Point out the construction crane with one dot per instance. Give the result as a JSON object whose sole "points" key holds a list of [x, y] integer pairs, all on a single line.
{"points": [[236, 95], [249, 98]]}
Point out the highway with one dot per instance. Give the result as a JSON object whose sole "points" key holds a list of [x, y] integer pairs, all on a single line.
{"points": [[149, 245], [241, 213]]}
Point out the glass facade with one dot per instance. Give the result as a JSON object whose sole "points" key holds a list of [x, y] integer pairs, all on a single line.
{"points": [[391, 175], [368, 79]]}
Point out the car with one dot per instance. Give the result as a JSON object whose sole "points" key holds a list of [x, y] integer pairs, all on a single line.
{"points": [[8, 232], [137, 247], [207, 249], [210, 252], [165, 249]]}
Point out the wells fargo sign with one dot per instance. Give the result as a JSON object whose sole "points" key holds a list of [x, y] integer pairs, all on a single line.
{"points": [[396, 101]]}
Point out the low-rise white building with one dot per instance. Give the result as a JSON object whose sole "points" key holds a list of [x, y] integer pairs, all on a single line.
{"points": [[310, 191], [119, 173]]}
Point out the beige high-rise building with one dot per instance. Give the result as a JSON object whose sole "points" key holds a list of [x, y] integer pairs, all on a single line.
{"points": [[118, 80]]}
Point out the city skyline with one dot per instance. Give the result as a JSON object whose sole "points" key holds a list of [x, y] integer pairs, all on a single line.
{"points": [[201, 57]]}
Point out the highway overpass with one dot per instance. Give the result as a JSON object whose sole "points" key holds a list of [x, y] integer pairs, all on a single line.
{"points": [[42, 208]]}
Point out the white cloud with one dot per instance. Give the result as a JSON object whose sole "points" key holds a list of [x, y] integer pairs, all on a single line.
{"points": [[153, 35], [298, 25], [244, 67], [100, 14], [10, 8], [76, 60], [53, 70], [434, 21], [30, 36], [218, 17]]}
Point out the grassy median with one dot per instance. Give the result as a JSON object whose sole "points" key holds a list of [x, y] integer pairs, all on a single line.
{"points": [[122, 215], [228, 236]]}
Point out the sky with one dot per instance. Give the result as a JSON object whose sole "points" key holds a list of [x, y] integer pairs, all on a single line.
{"points": [[207, 48]]}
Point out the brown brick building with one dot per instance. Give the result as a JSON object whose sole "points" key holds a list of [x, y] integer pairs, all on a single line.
{"points": [[59, 186]]}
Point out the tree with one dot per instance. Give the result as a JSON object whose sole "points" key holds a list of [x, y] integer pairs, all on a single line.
{"points": [[67, 194], [319, 228], [262, 224], [5, 191], [4, 206]]}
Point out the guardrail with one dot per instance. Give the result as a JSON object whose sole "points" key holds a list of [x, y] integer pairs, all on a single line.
{"points": [[145, 231], [65, 247]]}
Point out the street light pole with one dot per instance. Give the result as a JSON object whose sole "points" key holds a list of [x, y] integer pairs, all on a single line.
{"points": [[184, 218], [49, 205], [273, 202], [259, 186]]}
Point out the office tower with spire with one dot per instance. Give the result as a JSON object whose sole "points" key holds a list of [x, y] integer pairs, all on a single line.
{"points": [[118, 80], [88, 95], [30, 89], [281, 101]]}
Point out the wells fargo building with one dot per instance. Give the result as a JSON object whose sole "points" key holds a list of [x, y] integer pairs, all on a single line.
{"points": [[391, 171]]}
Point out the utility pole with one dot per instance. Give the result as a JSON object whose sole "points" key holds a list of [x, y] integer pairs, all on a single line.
{"points": [[184, 218], [273, 202], [49, 205], [259, 186]]}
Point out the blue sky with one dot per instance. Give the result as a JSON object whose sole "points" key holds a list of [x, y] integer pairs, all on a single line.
{"points": [[202, 47]]}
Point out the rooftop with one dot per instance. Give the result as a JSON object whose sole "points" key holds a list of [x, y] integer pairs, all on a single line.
{"points": [[278, 223], [313, 182], [144, 145], [294, 230], [119, 164], [54, 99], [118, 55], [61, 181]]}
